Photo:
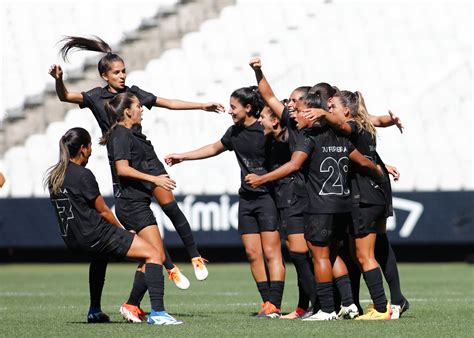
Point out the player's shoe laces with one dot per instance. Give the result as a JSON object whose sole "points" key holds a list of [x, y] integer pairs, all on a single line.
{"points": [[200, 269], [132, 313], [271, 311], [321, 315], [373, 314], [295, 314], [178, 278], [348, 312], [97, 317], [398, 310], [163, 318]]}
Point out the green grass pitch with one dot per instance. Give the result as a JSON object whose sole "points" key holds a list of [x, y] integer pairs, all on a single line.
{"points": [[51, 300]]}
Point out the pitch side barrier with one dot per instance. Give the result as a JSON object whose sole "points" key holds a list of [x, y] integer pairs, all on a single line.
{"points": [[421, 218]]}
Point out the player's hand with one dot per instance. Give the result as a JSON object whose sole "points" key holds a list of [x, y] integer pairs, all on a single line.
{"points": [[2, 180], [393, 171], [314, 114], [396, 121], [255, 64], [173, 159], [214, 107], [56, 72], [165, 182], [253, 180]]}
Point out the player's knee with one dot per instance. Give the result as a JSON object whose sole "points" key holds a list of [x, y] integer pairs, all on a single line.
{"points": [[253, 254]]}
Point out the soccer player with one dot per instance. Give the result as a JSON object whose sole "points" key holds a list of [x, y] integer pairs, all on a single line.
{"points": [[328, 210], [258, 219], [371, 201], [279, 118], [87, 225], [112, 70]]}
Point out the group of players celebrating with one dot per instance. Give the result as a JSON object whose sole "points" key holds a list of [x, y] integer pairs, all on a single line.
{"points": [[310, 174]]}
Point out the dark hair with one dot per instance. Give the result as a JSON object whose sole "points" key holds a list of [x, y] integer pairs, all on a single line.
{"points": [[250, 95], [313, 101], [356, 104], [115, 108], [325, 91], [303, 90], [69, 146], [96, 44]]}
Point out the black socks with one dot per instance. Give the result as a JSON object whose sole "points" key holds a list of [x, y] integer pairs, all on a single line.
{"points": [[182, 227], [156, 285]]}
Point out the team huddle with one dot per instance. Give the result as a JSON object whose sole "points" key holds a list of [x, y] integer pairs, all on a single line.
{"points": [[310, 175]]}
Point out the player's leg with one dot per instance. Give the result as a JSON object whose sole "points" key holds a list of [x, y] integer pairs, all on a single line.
{"points": [[271, 245], [253, 249], [170, 207], [97, 270], [385, 255], [154, 258]]}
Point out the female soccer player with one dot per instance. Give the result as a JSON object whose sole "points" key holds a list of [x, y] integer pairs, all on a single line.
{"points": [[112, 70], [371, 201], [327, 212], [295, 242], [87, 225], [258, 220]]}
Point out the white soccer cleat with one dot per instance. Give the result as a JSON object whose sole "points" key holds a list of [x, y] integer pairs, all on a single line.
{"points": [[178, 278], [321, 315], [348, 312], [200, 269], [163, 318], [398, 310]]}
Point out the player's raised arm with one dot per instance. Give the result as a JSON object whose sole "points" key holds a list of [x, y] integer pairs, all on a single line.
{"points": [[387, 121], [264, 87], [63, 94]]}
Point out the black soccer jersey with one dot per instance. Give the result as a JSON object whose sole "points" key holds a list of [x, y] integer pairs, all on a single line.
{"points": [[364, 188], [327, 178], [293, 136], [251, 148], [279, 155], [96, 98], [123, 145], [81, 226]]}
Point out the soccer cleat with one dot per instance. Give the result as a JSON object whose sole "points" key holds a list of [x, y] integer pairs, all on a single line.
{"points": [[162, 318], [308, 313], [132, 313], [178, 278], [398, 310], [295, 314], [271, 311], [321, 315], [97, 317], [373, 314], [261, 312], [348, 312], [200, 269]]}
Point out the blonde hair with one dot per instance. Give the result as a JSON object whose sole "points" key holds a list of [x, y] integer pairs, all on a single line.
{"points": [[356, 104]]}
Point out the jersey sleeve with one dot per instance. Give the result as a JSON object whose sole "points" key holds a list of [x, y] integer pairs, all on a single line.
{"points": [[226, 139], [354, 135], [146, 99], [89, 187], [120, 145], [304, 143], [86, 100]]}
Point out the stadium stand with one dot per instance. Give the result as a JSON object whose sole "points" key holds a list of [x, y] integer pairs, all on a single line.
{"points": [[421, 69]]}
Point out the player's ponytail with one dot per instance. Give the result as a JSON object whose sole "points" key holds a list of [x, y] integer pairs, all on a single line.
{"points": [[69, 146], [96, 44], [250, 96], [325, 91], [115, 112], [355, 103]]}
